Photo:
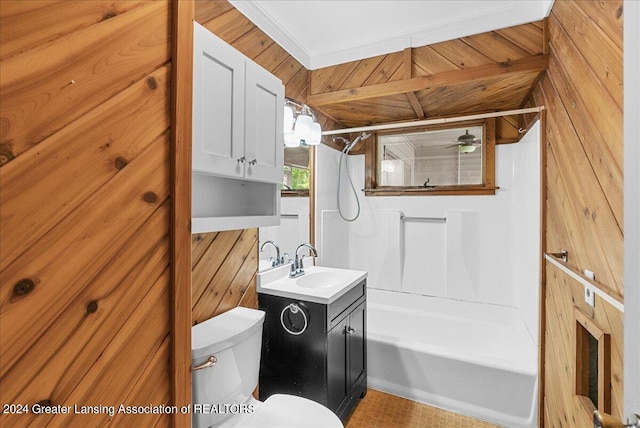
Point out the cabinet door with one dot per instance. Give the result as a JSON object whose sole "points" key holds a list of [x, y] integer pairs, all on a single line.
{"points": [[337, 386], [357, 353], [218, 106], [264, 140]]}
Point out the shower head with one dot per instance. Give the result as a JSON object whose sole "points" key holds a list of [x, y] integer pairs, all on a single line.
{"points": [[362, 136], [342, 139], [348, 145], [356, 140]]}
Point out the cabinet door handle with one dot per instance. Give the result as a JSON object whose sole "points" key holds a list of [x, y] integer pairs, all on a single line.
{"points": [[241, 160], [253, 162], [351, 330]]}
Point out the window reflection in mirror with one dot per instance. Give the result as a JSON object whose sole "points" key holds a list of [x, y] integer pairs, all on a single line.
{"points": [[295, 209], [296, 169], [445, 157]]}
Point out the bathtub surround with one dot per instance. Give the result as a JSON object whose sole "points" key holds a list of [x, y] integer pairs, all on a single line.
{"points": [[487, 251], [482, 263]]}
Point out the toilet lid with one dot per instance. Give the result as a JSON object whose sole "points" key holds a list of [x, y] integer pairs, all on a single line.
{"points": [[289, 411]]}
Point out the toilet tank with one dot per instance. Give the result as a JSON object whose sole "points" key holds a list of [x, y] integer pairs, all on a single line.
{"points": [[234, 338]]}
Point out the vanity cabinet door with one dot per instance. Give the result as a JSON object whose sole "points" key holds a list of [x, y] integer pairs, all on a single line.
{"points": [[218, 106], [357, 345], [264, 139], [337, 375]]}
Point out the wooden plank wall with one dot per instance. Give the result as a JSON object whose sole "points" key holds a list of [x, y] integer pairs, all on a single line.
{"points": [[225, 263], [224, 272], [582, 90], [84, 210]]}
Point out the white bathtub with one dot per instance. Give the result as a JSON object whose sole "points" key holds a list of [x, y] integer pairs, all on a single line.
{"points": [[471, 358]]}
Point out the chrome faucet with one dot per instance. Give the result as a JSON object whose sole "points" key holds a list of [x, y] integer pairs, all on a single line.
{"points": [[296, 267], [277, 260]]}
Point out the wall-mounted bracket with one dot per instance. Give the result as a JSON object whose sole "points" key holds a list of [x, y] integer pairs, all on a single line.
{"points": [[563, 254]]}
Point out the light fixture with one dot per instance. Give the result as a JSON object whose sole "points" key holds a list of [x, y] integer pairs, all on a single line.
{"points": [[467, 143], [466, 148], [300, 126], [290, 139], [288, 118], [387, 165]]}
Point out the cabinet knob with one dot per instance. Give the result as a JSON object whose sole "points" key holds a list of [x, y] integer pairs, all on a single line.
{"points": [[253, 162], [241, 160], [351, 330]]}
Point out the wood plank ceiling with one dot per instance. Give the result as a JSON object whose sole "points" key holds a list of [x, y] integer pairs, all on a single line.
{"points": [[486, 72]]}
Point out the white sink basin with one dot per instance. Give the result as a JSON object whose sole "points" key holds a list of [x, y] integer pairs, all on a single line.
{"points": [[320, 279], [319, 284]]}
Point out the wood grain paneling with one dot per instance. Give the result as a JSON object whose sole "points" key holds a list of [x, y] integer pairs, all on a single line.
{"points": [[582, 92], [27, 24], [48, 87], [85, 277], [79, 333], [564, 297], [181, 175], [225, 265], [109, 138]]}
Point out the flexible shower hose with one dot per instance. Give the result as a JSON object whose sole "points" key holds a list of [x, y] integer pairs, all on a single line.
{"points": [[345, 152]]}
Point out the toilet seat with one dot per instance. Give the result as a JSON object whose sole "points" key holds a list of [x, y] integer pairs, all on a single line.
{"points": [[287, 411]]}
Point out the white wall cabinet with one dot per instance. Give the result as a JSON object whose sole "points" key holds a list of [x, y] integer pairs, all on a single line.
{"points": [[264, 137], [238, 146]]}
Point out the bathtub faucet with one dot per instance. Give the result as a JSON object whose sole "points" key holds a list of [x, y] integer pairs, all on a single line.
{"points": [[296, 267]]}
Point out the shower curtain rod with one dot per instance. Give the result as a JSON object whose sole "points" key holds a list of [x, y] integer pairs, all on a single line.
{"points": [[433, 121]]}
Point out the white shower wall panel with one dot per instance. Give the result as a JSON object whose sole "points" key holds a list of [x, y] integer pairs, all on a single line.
{"points": [[333, 250], [484, 234], [488, 250], [376, 242], [425, 259]]}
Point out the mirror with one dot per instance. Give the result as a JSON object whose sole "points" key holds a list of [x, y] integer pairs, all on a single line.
{"points": [[297, 173], [295, 208], [447, 157]]}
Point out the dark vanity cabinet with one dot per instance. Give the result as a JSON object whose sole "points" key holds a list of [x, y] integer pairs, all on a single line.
{"points": [[315, 350]]}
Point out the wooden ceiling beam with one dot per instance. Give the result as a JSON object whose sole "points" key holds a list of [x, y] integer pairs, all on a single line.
{"points": [[483, 72], [408, 74], [413, 100]]}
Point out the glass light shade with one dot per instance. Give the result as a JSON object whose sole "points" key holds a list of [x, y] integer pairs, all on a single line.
{"points": [[467, 149], [288, 118], [290, 139], [315, 134], [302, 128], [387, 166]]}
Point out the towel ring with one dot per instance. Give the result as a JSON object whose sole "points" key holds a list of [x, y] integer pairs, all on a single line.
{"points": [[294, 310]]}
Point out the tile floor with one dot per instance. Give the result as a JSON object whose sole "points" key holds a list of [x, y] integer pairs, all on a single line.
{"points": [[381, 410]]}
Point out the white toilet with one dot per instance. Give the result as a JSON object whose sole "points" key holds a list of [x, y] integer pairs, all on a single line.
{"points": [[223, 385]]}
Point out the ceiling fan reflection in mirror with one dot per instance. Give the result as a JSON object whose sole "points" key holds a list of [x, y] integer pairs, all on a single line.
{"points": [[467, 143]]}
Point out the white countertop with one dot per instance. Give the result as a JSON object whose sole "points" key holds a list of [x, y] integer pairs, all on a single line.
{"points": [[276, 282]]}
